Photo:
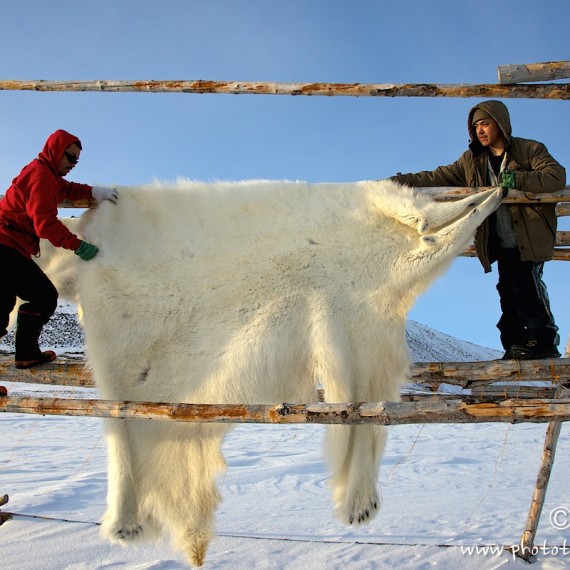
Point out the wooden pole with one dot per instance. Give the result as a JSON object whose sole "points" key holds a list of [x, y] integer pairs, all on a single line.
{"points": [[509, 74], [542, 480], [4, 516], [537, 502], [558, 254], [533, 91], [467, 375], [384, 413], [446, 194]]}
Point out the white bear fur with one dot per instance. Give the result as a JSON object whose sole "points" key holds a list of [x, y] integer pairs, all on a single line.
{"points": [[251, 292]]}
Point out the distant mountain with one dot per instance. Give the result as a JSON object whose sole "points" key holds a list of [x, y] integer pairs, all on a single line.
{"points": [[64, 335], [429, 345]]}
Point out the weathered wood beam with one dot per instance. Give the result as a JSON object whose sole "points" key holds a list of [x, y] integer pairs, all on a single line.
{"points": [[64, 371], [445, 194], [539, 494], [559, 254], [491, 392], [4, 516], [562, 238], [520, 73], [468, 375], [533, 91], [384, 413], [73, 372], [543, 477]]}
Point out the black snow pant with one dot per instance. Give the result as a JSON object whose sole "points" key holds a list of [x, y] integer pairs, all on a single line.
{"points": [[21, 277], [525, 306]]}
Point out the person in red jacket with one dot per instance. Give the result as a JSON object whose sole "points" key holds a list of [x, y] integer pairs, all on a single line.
{"points": [[28, 212]]}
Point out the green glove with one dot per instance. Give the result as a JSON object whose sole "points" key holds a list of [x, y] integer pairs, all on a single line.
{"points": [[86, 251], [507, 179]]}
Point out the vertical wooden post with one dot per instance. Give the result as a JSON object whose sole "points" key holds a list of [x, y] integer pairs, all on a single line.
{"points": [[4, 516], [529, 534], [542, 480]]}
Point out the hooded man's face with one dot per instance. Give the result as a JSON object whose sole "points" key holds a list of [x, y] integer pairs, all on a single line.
{"points": [[69, 159], [489, 134]]}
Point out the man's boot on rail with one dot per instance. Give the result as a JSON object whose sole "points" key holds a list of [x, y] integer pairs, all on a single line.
{"points": [[28, 353]]}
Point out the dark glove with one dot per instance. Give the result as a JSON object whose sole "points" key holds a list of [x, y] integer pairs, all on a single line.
{"points": [[507, 179], [86, 251]]}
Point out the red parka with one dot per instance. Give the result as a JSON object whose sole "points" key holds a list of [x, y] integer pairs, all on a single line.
{"points": [[28, 210]]}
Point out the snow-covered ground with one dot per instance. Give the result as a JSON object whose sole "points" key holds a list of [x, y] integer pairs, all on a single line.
{"points": [[447, 490]]}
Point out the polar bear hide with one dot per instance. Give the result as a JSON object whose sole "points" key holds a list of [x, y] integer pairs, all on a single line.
{"points": [[252, 292]]}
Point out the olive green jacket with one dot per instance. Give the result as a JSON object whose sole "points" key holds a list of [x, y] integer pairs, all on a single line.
{"points": [[536, 171]]}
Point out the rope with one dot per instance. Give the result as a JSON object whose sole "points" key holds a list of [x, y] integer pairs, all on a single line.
{"points": [[291, 539], [493, 481]]}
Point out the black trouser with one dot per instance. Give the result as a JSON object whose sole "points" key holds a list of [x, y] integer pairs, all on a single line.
{"points": [[524, 302], [21, 277]]}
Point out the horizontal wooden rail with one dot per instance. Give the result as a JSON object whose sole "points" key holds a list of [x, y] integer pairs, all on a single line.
{"points": [[448, 193], [533, 72], [559, 254], [445, 194], [200, 86], [465, 375], [470, 375], [62, 372], [384, 413]]}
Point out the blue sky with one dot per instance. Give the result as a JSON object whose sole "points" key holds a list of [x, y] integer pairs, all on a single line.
{"points": [[134, 138]]}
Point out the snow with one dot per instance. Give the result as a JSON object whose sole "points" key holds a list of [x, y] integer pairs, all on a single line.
{"points": [[445, 489]]}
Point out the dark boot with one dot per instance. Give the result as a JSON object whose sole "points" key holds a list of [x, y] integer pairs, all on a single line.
{"points": [[508, 354], [533, 349], [28, 331]]}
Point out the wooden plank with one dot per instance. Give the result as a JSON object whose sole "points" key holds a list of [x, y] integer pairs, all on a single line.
{"points": [[469, 374], [537, 501], [534, 91], [562, 238], [384, 413], [444, 194], [466, 375], [65, 371], [4, 516], [448, 193], [509, 74], [516, 391], [543, 477], [559, 254]]}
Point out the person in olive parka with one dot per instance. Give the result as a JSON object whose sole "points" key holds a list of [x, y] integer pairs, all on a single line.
{"points": [[519, 237]]}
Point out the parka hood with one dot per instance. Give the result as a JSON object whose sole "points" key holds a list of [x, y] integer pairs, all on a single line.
{"points": [[499, 112], [54, 148]]}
